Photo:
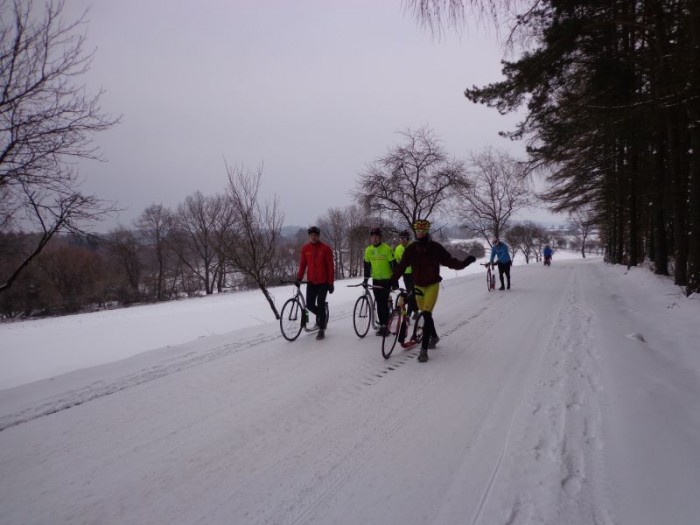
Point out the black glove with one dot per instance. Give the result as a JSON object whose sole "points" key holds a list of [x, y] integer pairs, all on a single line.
{"points": [[331, 288], [297, 283], [364, 281], [470, 259]]}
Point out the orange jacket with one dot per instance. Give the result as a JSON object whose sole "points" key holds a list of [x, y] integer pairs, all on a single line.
{"points": [[317, 262]]}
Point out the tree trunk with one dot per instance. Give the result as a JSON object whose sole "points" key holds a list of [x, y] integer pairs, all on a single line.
{"points": [[679, 190], [632, 185], [693, 108], [659, 208], [270, 300]]}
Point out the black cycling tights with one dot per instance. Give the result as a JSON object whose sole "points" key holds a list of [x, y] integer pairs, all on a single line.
{"points": [[428, 329]]}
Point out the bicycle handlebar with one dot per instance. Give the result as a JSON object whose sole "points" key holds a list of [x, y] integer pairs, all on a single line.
{"points": [[374, 286]]}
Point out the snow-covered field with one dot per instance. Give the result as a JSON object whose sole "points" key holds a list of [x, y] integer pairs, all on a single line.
{"points": [[571, 399]]}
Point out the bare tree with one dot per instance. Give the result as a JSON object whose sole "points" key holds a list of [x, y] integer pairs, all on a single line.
{"points": [[155, 226], [255, 232], [437, 14], [197, 237], [413, 181], [73, 276], [357, 231], [334, 230], [584, 221], [526, 237], [46, 122], [223, 223], [441, 15], [495, 190], [125, 249]]}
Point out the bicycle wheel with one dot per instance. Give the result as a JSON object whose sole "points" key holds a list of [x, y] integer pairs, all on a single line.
{"points": [[291, 318], [392, 333], [418, 328], [362, 316], [488, 280]]}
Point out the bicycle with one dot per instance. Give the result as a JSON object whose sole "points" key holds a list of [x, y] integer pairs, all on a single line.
{"points": [[490, 277], [293, 316], [399, 325], [364, 314]]}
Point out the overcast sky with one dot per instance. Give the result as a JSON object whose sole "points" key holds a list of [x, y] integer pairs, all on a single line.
{"points": [[314, 90]]}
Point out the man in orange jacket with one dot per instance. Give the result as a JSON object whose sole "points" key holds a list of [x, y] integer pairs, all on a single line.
{"points": [[317, 262]]}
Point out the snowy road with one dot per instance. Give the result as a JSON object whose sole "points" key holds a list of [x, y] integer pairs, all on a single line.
{"points": [[571, 399]]}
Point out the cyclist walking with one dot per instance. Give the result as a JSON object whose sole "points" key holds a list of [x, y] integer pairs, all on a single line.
{"points": [[379, 264], [317, 261], [411, 307], [425, 256], [547, 252], [499, 250]]}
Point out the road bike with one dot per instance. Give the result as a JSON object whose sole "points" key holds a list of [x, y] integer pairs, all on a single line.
{"points": [[365, 315], [294, 316], [399, 326], [490, 277]]}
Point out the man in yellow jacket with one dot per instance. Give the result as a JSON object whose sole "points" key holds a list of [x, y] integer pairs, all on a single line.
{"points": [[412, 307], [379, 264]]}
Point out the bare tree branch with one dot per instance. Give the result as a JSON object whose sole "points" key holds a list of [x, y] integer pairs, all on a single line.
{"points": [[496, 190], [46, 122], [252, 240], [584, 221], [413, 181], [196, 242]]}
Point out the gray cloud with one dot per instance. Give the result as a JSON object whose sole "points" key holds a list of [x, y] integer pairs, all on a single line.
{"points": [[315, 90]]}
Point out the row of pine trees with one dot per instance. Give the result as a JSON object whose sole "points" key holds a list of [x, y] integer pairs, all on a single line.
{"points": [[612, 92]]}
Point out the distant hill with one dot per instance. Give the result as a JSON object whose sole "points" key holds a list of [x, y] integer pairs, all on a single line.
{"points": [[291, 231]]}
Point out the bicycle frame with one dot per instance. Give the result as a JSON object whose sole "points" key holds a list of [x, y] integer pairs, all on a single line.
{"points": [[373, 306], [490, 277], [374, 319], [399, 326], [294, 314], [300, 296]]}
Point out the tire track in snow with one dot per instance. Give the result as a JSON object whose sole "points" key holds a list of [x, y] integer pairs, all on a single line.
{"points": [[92, 392], [74, 398], [345, 459], [348, 449], [566, 466]]}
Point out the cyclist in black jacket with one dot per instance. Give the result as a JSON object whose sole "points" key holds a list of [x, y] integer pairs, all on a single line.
{"points": [[425, 257]]}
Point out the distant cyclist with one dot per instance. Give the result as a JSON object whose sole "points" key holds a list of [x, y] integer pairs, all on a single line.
{"points": [[379, 264], [425, 256], [499, 251], [412, 307], [317, 261], [547, 252]]}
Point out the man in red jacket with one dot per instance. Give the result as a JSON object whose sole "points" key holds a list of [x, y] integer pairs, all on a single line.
{"points": [[317, 262]]}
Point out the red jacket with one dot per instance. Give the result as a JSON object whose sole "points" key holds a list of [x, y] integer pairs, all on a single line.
{"points": [[317, 262]]}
